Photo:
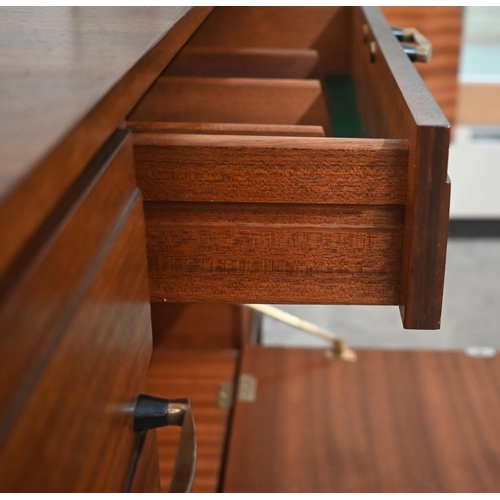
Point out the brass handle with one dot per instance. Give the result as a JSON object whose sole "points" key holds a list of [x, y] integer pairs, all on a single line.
{"points": [[421, 51], [151, 412]]}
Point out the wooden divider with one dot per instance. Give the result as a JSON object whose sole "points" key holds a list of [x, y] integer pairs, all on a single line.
{"points": [[325, 29], [234, 100], [226, 129], [242, 62]]}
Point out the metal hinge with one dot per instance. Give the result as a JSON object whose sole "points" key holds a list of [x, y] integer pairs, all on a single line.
{"points": [[246, 392]]}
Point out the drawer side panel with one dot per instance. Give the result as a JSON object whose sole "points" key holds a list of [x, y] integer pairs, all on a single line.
{"points": [[208, 168], [274, 253]]}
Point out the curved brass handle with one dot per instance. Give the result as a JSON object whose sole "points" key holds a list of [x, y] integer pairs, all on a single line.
{"points": [[151, 412], [421, 51], [180, 413]]}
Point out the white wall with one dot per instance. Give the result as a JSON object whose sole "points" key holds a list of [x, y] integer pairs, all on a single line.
{"points": [[474, 165], [474, 168]]}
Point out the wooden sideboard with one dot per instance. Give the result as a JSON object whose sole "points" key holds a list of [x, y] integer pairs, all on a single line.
{"points": [[225, 122]]}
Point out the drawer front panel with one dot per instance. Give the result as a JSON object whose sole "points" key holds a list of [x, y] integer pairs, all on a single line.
{"points": [[76, 424], [52, 281], [402, 106]]}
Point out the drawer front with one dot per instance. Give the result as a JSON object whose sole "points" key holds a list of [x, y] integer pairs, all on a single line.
{"points": [[402, 106], [356, 214], [76, 340], [48, 276]]}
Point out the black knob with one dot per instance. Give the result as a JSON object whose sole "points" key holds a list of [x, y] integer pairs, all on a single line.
{"points": [[150, 412]]}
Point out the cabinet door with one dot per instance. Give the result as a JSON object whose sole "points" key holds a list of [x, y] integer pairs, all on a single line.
{"points": [[393, 421], [75, 340]]}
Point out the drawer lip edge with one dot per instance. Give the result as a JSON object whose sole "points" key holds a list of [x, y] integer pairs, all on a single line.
{"points": [[400, 65]]}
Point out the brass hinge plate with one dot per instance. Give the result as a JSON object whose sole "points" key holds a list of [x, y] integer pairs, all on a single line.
{"points": [[247, 391]]}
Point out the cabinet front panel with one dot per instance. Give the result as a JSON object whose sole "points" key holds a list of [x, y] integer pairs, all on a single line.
{"points": [[75, 430], [50, 275]]}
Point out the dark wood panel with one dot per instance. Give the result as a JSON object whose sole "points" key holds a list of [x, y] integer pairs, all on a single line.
{"points": [[265, 27], [91, 89], [390, 422], [401, 107], [74, 424], [197, 326], [325, 29], [268, 169], [273, 253], [442, 25], [48, 279], [226, 128], [234, 100], [230, 62], [197, 375]]}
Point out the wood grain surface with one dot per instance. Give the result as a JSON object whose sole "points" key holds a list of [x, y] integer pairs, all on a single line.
{"points": [[197, 375], [390, 422], [277, 253], [231, 62], [198, 326], [402, 107], [68, 78], [47, 279], [442, 25], [69, 428], [270, 169], [234, 100], [266, 129], [325, 29], [263, 27]]}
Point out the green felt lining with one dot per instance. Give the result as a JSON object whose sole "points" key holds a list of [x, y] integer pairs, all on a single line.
{"points": [[343, 107]]}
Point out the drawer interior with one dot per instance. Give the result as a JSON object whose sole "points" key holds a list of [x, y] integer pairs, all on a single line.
{"points": [[274, 160], [293, 66]]}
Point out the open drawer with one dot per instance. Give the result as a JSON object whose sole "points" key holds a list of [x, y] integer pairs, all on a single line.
{"points": [[294, 155]]}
